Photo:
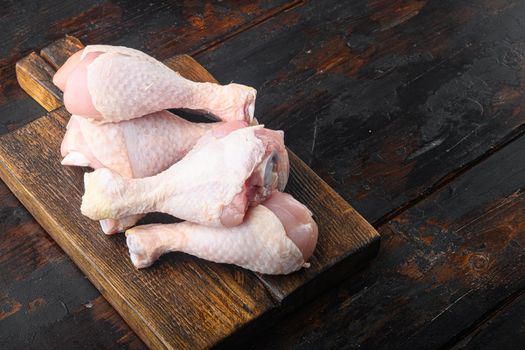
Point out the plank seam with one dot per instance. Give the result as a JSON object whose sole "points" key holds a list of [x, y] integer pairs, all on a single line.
{"points": [[513, 136], [264, 18], [487, 317]]}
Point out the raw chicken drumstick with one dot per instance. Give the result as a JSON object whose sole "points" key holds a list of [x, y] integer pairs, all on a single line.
{"points": [[228, 169], [277, 237], [135, 148], [114, 83]]}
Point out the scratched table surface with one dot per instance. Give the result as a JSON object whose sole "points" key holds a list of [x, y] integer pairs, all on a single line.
{"points": [[414, 111]]}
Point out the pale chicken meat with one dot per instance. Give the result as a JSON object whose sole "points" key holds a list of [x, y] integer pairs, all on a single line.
{"points": [[136, 148], [114, 83], [277, 237], [222, 178], [230, 168]]}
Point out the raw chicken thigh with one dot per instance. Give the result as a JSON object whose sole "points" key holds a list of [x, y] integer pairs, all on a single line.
{"points": [[230, 168], [276, 237], [114, 83]]}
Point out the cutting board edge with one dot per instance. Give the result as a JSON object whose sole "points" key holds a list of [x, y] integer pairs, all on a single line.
{"points": [[102, 284], [365, 247]]}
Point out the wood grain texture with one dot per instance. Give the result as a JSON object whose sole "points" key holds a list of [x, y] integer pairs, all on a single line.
{"points": [[45, 301], [343, 234], [35, 68], [445, 267], [169, 305], [162, 29], [379, 97], [385, 100], [399, 97], [505, 329], [59, 51]]}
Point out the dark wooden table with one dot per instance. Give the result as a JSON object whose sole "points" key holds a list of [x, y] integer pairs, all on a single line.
{"points": [[413, 110]]}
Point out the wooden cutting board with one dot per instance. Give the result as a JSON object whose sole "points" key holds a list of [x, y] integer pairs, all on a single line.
{"points": [[180, 302]]}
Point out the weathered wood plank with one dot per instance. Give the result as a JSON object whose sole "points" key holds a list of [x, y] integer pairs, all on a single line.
{"points": [[343, 232], [59, 51], [237, 284], [443, 265], [410, 41], [400, 99], [165, 305], [333, 214], [505, 329], [34, 68], [45, 301], [385, 100], [162, 29]]}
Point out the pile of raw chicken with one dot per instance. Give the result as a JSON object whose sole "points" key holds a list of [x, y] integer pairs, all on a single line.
{"points": [[224, 179]]}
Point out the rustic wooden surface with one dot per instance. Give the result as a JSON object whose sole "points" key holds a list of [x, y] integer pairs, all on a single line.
{"points": [[164, 304], [344, 235], [396, 104], [34, 68]]}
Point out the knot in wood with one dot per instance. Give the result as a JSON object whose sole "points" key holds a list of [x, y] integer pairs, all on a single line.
{"points": [[479, 261]]}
